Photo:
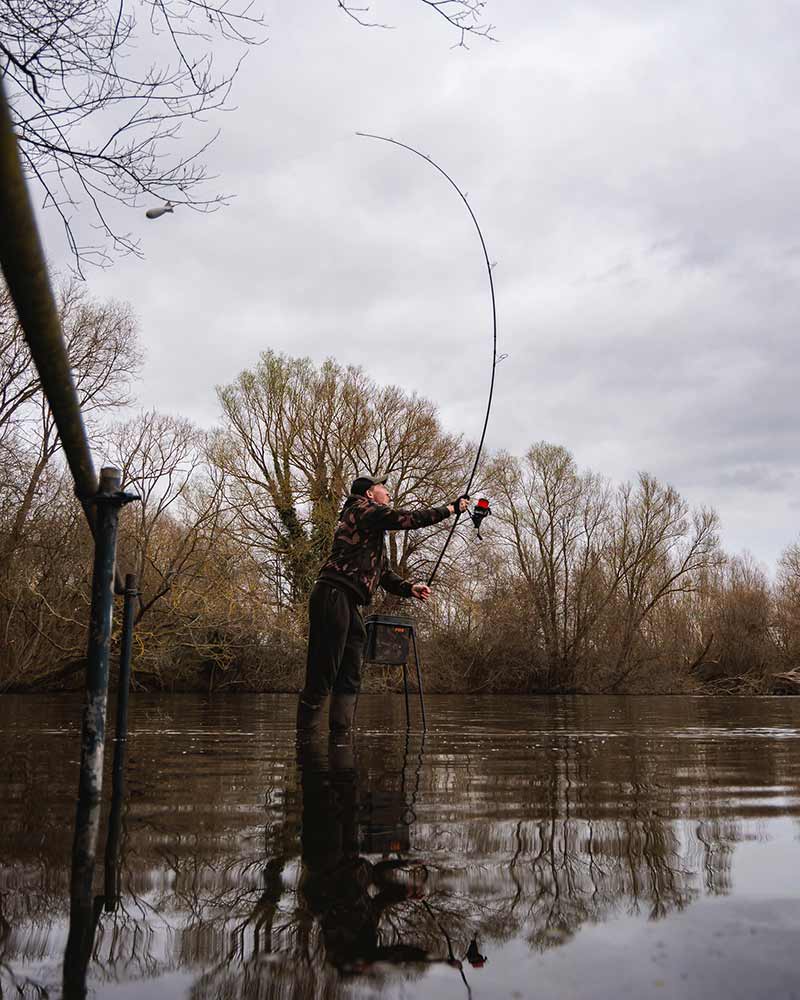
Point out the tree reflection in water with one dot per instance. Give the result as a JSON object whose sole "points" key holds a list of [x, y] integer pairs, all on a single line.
{"points": [[376, 862]]}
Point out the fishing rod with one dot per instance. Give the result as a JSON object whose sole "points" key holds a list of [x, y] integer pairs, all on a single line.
{"points": [[482, 508]]}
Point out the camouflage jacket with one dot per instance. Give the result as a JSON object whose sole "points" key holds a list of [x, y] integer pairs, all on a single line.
{"points": [[358, 558]]}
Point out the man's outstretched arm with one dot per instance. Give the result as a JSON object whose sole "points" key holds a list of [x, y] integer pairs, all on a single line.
{"points": [[390, 519]]}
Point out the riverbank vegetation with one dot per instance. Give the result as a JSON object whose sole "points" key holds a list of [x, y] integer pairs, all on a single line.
{"points": [[579, 584]]}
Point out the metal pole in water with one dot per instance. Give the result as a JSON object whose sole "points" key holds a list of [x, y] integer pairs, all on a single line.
{"points": [[93, 727], [126, 648], [112, 857], [419, 679], [83, 913]]}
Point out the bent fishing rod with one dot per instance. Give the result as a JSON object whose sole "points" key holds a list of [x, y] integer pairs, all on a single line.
{"points": [[482, 507]]}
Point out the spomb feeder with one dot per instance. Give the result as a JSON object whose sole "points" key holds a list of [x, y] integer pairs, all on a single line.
{"points": [[156, 213]]}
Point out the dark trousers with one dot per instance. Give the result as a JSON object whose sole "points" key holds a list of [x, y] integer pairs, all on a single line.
{"points": [[336, 637]]}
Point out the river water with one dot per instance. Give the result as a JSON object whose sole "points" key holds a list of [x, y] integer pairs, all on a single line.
{"points": [[525, 847]]}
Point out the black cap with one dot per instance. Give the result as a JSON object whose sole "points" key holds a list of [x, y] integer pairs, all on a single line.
{"points": [[361, 484]]}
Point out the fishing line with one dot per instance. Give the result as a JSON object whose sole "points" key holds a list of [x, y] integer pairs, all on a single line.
{"points": [[449, 179]]}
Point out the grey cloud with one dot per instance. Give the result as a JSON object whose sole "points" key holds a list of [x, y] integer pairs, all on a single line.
{"points": [[635, 169]]}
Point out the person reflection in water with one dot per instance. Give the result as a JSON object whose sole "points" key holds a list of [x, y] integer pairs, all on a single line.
{"points": [[344, 891]]}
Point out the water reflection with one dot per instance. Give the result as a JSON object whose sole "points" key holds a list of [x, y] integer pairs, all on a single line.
{"points": [[340, 889], [239, 864], [343, 912]]}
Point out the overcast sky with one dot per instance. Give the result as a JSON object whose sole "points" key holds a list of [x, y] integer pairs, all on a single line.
{"points": [[634, 167]]}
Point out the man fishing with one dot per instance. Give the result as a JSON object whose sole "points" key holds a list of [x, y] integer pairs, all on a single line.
{"points": [[347, 580]]}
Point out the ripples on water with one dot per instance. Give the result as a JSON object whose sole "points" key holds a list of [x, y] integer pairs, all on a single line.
{"points": [[586, 847]]}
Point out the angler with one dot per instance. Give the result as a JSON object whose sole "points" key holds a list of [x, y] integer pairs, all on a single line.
{"points": [[346, 582]]}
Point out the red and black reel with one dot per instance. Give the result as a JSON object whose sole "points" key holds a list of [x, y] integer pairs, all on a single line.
{"points": [[480, 511]]}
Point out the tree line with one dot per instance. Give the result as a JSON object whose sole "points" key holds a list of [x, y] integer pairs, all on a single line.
{"points": [[579, 584]]}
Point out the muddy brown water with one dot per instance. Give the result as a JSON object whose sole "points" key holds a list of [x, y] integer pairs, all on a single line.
{"points": [[525, 847]]}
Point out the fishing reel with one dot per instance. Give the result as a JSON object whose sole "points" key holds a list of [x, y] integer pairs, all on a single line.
{"points": [[480, 511]]}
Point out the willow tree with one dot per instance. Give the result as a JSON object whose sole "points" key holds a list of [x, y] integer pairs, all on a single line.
{"points": [[293, 437]]}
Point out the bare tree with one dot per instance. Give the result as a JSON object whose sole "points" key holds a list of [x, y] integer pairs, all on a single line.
{"points": [[99, 122], [739, 624], [787, 607], [660, 551], [43, 548], [104, 356], [96, 120], [467, 16], [158, 455], [556, 525], [600, 569]]}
